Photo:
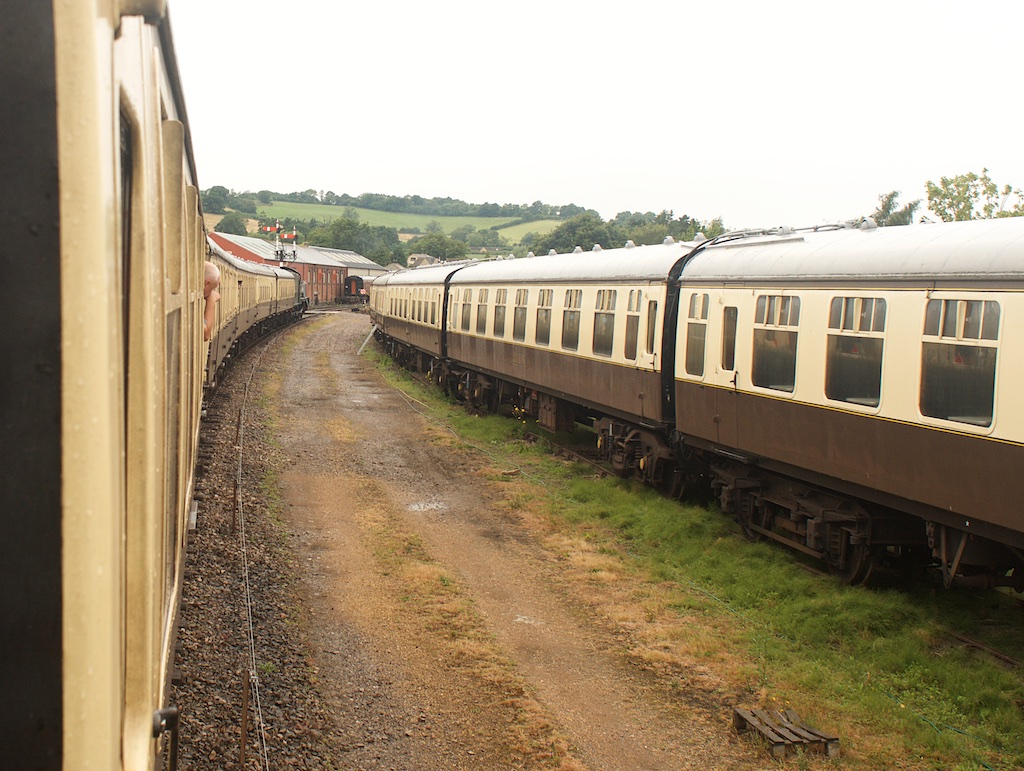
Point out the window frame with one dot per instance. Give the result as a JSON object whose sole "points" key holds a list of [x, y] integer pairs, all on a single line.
{"points": [[542, 331], [855, 350], [948, 342], [572, 303], [604, 322], [776, 319]]}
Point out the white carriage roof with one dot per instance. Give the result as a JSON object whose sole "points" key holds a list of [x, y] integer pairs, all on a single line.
{"points": [[247, 265], [635, 263], [978, 250], [426, 274]]}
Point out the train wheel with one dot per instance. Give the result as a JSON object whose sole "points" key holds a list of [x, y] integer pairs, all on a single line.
{"points": [[855, 566], [762, 517]]}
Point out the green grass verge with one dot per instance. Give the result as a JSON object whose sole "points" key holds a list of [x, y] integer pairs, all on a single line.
{"points": [[879, 662]]}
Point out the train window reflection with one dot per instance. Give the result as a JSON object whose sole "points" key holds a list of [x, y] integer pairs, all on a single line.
{"points": [[696, 332], [500, 298], [958, 382], [481, 319], [853, 369], [519, 317], [544, 301], [695, 335], [632, 335], [467, 308], [775, 340], [571, 319], [729, 317], [652, 324], [604, 322], [604, 333], [958, 363]]}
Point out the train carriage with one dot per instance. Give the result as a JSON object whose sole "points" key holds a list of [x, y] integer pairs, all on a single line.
{"points": [[574, 330], [848, 391], [408, 308], [103, 377], [253, 299], [878, 364], [102, 382]]}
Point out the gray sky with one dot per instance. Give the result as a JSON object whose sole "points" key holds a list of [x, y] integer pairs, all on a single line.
{"points": [[762, 113]]}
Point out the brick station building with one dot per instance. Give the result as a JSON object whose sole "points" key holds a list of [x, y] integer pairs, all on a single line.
{"points": [[331, 275]]}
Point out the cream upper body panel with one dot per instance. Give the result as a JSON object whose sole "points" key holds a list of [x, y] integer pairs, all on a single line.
{"points": [[956, 269]]}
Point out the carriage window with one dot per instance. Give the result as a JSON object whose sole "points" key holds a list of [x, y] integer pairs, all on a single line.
{"points": [[604, 322], [633, 323], [652, 324], [467, 308], [481, 314], [775, 336], [696, 333], [958, 360], [544, 300], [729, 316], [853, 361], [519, 319], [632, 335], [571, 319], [500, 298]]}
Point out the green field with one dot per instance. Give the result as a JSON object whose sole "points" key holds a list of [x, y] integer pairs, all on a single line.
{"points": [[398, 220]]}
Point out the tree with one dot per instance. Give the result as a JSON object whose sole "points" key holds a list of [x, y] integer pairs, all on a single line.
{"points": [[215, 199], [265, 197], [486, 237], [232, 222], [438, 245], [380, 244], [973, 197], [244, 203], [463, 233], [583, 230], [888, 214]]}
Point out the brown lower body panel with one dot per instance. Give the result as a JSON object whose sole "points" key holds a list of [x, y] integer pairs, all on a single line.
{"points": [[962, 480]]}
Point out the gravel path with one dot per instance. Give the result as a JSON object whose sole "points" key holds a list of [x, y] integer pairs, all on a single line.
{"points": [[406, 614]]}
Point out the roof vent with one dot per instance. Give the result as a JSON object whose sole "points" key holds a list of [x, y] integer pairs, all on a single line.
{"points": [[530, 254], [577, 250], [597, 248], [551, 252], [668, 240], [700, 238], [630, 244], [783, 230], [867, 224]]}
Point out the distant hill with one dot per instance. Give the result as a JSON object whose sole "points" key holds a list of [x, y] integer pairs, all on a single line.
{"points": [[407, 222]]}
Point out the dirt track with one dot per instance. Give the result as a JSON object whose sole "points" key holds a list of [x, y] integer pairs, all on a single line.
{"points": [[445, 633]]}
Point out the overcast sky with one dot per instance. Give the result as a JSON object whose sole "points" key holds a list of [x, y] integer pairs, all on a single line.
{"points": [[762, 113]]}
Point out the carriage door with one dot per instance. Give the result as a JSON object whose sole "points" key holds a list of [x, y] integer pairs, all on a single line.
{"points": [[727, 395]]}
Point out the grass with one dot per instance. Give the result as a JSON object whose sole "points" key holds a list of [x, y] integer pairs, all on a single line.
{"points": [[876, 666], [398, 220]]}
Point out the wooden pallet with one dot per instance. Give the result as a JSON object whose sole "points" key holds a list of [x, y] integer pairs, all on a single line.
{"points": [[785, 731]]}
